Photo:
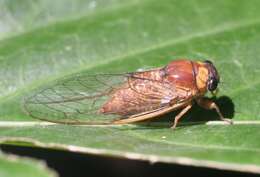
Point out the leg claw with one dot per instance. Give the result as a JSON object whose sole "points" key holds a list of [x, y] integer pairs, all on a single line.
{"points": [[229, 121], [173, 127]]}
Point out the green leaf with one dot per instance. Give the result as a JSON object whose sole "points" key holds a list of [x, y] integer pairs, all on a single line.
{"points": [[121, 36], [11, 165]]}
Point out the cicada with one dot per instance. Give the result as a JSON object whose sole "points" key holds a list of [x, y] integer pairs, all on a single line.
{"points": [[128, 97]]}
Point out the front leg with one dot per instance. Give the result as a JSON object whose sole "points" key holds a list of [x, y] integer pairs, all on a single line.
{"points": [[209, 104]]}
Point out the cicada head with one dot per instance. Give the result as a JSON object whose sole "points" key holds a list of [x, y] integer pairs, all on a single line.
{"points": [[198, 77], [207, 77], [213, 76]]}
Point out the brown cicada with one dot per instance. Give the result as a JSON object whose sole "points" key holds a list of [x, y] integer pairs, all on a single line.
{"points": [[126, 98]]}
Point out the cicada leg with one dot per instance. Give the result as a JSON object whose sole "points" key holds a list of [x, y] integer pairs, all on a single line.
{"points": [[177, 118], [209, 104]]}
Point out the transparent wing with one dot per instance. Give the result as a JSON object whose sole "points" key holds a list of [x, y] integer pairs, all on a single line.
{"points": [[79, 98]]}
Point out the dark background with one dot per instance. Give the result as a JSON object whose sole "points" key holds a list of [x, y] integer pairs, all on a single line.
{"points": [[69, 164]]}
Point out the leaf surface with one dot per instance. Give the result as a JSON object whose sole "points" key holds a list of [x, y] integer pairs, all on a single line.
{"points": [[122, 36]]}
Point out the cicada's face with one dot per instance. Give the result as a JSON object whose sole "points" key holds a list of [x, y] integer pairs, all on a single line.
{"points": [[213, 77]]}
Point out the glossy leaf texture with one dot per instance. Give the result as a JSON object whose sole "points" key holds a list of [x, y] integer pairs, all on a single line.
{"points": [[123, 36]]}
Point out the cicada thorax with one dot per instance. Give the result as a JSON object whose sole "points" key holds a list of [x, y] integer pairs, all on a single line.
{"points": [[150, 90], [181, 74], [188, 75]]}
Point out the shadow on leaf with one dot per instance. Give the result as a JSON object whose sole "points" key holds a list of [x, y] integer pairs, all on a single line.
{"points": [[196, 115]]}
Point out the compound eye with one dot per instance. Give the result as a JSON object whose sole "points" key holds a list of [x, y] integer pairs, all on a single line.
{"points": [[212, 84]]}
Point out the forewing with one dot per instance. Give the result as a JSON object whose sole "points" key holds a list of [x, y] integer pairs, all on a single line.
{"points": [[78, 99]]}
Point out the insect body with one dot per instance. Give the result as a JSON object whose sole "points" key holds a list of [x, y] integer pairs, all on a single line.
{"points": [[129, 97]]}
